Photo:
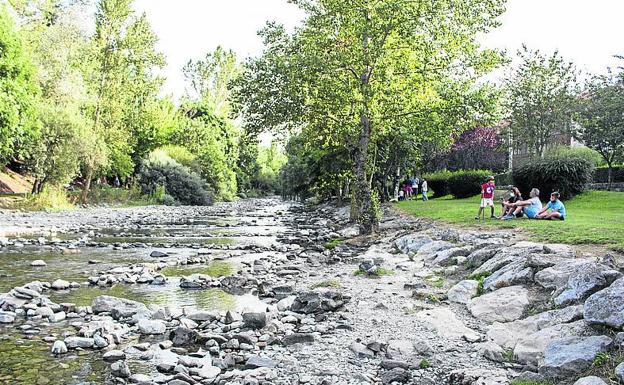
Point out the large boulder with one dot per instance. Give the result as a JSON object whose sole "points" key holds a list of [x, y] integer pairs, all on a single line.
{"points": [[182, 336], [411, 243], [432, 248], [508, 334], [463, 291], [571, 356], [606, 307], [151, 327], [319, 301], [503, 305], [445, 323], [587, 280], [557, 276], [591, 380], [117, 307], [530, 348], [448, 257], [515, 273]]}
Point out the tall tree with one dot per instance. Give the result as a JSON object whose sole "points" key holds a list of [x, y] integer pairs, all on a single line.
{"points": [[601, 118], [211, 76], [542, 91], [18, 91], [123, 82], [356, 70]]}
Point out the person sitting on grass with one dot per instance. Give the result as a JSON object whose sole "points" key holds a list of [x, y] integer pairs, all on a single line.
{"points": [[507, 205], [487, 198], [530, 207], [556, 207]]}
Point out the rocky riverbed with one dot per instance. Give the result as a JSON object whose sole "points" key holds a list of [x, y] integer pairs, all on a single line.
{"points": [[269, 292]]}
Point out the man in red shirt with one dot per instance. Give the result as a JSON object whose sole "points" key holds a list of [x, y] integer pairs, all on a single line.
{"points": [[487, 198]]}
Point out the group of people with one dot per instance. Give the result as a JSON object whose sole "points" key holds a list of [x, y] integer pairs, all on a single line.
{"points": [[409, 189], [514, 206]]}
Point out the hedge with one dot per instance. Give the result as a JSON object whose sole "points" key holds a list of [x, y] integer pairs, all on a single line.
{"points": [[438, 183], [467, 183], [601, 174], [505, 179], [184, 186], [554, 173]]}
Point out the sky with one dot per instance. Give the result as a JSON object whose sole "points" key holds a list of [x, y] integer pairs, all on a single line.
{"points": [[586, 32]]}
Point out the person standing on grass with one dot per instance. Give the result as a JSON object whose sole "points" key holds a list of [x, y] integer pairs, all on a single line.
{"points": [[529, 207], [556, 207], [415, 187], [424, 188], [487, 198]]}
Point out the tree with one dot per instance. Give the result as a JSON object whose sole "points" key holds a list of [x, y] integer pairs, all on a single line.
{"points": [[541, 91], [601, 118], [210, 78], [356, 70], [19, 125], [478, 149]]}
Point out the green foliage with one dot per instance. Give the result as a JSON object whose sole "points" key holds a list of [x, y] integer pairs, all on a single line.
{"points": [[49, 199], [331, 283], [601, 117], [566, 174], [577, 152], [353, 77], [380, 272], [601, 174], [158, 176], [508, 355], [467, 183], [18, 91], [333, 244], [438, 182], [541, 95], [601, 359], [424, 364]]}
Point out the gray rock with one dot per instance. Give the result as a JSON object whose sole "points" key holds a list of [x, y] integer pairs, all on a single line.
{"points": [[571, 356], [7, 317], [203, 316], [361, 351], [480, 256], [530, 348], [584, 282], [319, 301], [79, 342], [117, 307], [557, 276], [253, 320], [114, 355], [515, 273], [503, 305], [38, 263], [254, 362], [448, 257], [591, 380], [606, 307], [151, 327], [298, 338], [432, 248], [59, 347], [463, 291], [120, 369], [60, 284], [396, 375], [158, 254], [411, 243], [478, 376], [182, 336], [619, 372]]}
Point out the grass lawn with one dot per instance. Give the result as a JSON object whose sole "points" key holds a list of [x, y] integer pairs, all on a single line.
{"points": [[594, 217]]}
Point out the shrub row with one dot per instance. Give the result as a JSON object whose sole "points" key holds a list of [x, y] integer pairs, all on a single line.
{"points": [[601, 174], [180, 185], [568, 175], [460, 184]]}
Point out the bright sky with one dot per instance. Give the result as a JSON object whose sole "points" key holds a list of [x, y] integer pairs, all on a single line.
{"points": [[586, 32]]}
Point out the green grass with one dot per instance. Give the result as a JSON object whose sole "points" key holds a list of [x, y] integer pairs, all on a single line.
{"points": [[331, 283], [333, 244], [380, 272], [594, 217]]}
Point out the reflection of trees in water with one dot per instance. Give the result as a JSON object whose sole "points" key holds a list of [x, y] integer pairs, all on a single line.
{"points": [[214, 269]]}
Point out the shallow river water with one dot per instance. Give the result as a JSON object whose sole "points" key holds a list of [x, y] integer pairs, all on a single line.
{"points": [[227, 233]]}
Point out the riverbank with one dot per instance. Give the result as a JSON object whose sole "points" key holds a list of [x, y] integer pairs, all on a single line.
{"points": [[594, 218], [454, 306]]}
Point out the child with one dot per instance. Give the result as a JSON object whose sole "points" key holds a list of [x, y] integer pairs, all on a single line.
{"points": [[557, 209], [487, 198]]}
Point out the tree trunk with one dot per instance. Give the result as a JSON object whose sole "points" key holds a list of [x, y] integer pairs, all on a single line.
{"points": [[87, 184], [609, 176], [365, 216]]}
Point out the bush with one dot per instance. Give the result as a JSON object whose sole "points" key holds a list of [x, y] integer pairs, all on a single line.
{"points": [[601, 174], [505, 179], [467, 183], [578, 152], [178, 181], [438, 182], [568, 175]]}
